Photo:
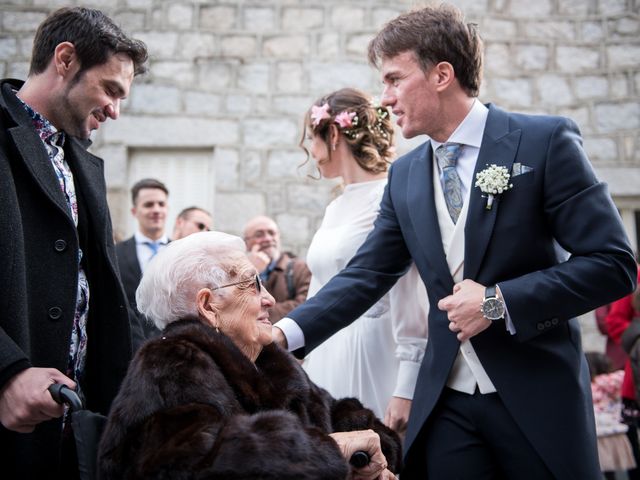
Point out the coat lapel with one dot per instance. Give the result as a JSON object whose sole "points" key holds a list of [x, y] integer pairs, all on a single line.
{"points": [[499, 147], [420, 196]]}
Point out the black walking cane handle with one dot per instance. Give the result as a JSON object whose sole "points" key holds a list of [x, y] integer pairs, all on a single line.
{"points": [[63, 394], [360, 459]]}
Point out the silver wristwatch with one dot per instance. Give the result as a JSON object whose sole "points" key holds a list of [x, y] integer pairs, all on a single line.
{"points": [[492, 307]]}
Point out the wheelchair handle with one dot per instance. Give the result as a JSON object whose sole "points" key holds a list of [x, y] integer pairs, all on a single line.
{"points": [[63, 394]]}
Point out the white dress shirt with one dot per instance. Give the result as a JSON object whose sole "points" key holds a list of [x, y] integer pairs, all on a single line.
{"points": [[144, 251]]}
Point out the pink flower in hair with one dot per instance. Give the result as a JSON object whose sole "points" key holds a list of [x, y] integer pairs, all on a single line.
{"points": [[319, 113], [345, 119]]}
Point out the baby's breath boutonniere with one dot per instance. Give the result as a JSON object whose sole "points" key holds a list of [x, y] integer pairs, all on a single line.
{"points": [[492, 181]]}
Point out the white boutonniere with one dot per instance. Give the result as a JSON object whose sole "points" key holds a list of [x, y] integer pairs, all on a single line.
{"points": [[492, 181]]}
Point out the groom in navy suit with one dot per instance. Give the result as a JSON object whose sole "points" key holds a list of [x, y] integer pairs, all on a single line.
{"points": [[503, 390]]}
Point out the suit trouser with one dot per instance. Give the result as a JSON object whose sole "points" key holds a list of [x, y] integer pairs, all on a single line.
{"points": [[473, 437]]}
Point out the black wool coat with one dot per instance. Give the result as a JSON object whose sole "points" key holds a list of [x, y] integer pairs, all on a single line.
{"points": [[39, 246], [194, 406]]}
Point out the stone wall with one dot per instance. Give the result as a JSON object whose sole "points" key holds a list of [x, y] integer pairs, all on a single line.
{"points": [[237, 76]]}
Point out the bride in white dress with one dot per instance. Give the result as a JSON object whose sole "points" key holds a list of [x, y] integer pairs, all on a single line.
{"points": [[376, 358]]}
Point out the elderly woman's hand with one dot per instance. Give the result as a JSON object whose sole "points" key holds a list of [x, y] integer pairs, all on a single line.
{"points": [[366, 441]]}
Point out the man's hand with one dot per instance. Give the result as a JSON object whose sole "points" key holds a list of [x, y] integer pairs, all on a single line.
{"points": [[259, 259], [463, 309], [25, 400], [366, 441], [397, 414], [278, 337]]}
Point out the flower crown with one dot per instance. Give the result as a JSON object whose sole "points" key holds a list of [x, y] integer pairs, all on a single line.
{"points": [[348, 121]]}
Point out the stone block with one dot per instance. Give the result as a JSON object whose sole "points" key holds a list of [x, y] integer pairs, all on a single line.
{"points": [[591, 86], [554, 90], [380, 16], [214, 75], [577, 59], [149, 98], [176, 73], [592, 31], [259, 19], [574, 8], [251, 162], [616, 117], [21, 21], [532, 57], [139, 3], [269, 132], [161, 45], [624, 27], [549, 29], [130, 21], [358, 44], [295, 18], [180, 16], [472, 8], [295, 105], [328, 46], [497, 57], [612, 7], [201, 103], [242, 46], [254, 77], [218, 17], [580, 115], [604, 149], [196, 45], [529, 9], [17, 69], [283, 163], [497, 29], [622, 181], [227, 166], [8, 48], [312, 196], [345, 17], [289, 77], [512, 91], [25, 45], [623, 56], [115, 164], [232, 210], [174, 131], [286, 46], [619, 87], [294, 229], [238, 103], [327, 77]]}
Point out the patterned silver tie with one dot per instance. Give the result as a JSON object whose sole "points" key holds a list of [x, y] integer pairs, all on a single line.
{"points": [[447, 155]]}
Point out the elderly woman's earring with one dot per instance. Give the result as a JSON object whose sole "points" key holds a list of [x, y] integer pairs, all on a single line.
{"points": [[333, 147]]}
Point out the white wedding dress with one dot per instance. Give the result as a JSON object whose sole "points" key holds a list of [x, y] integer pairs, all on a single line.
{"points": [[378, 355]]}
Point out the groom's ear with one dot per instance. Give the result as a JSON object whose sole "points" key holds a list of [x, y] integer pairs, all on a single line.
{"points": [[444, 75]]}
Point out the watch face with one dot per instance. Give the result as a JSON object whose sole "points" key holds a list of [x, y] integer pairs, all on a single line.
{"points": [[493, 308]]}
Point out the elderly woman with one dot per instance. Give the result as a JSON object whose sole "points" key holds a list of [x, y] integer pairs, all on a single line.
{"points": [[213, 398]]}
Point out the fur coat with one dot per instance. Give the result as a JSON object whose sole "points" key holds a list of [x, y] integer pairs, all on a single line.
{"points": [[193, 406]]}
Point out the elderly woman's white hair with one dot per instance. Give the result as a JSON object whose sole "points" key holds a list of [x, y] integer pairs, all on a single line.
{"points": [[167, 290]]}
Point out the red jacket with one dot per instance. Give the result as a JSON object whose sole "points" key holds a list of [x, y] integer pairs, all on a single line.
{"points": [[618, 320]]}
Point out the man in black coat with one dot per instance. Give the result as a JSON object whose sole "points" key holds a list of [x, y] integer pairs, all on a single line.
{"points": [[63, 315]]}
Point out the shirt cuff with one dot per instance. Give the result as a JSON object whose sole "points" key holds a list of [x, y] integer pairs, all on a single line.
{"points": [[407, 378], [292, 332], [511, 328]]}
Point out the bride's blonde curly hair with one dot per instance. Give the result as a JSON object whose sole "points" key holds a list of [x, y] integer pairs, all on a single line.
{"points": [[370, 137]]}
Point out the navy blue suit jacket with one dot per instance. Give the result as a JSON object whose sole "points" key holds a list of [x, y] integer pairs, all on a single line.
{"points": [[540, 373]]}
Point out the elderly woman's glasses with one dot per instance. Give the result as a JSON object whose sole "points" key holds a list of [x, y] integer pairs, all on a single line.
{"points": [[256, 279]]}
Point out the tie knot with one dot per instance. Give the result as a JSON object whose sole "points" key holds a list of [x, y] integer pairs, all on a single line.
{"points": [[448, 153], [153, 246]]}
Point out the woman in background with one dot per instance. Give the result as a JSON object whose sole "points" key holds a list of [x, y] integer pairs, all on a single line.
{"points": [[377, 357]]}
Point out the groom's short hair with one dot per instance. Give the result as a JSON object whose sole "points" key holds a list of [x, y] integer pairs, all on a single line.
{"points": [[434, 34]]}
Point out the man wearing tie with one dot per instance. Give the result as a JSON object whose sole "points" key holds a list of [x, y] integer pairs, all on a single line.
{"points": [[503, 390], [149, 197]]}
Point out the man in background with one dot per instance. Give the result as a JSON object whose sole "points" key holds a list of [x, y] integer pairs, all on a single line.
{"points": [[63, 315], [150, 206], [284, 275], [191, 220]]}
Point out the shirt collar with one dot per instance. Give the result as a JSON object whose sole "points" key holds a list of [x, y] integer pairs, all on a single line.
{"points": [[46, 131], [140, 238], [471, 129]]}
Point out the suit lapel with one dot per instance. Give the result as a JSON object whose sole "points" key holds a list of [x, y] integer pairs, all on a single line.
{"points": [[499, 147], [420, 197]]}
